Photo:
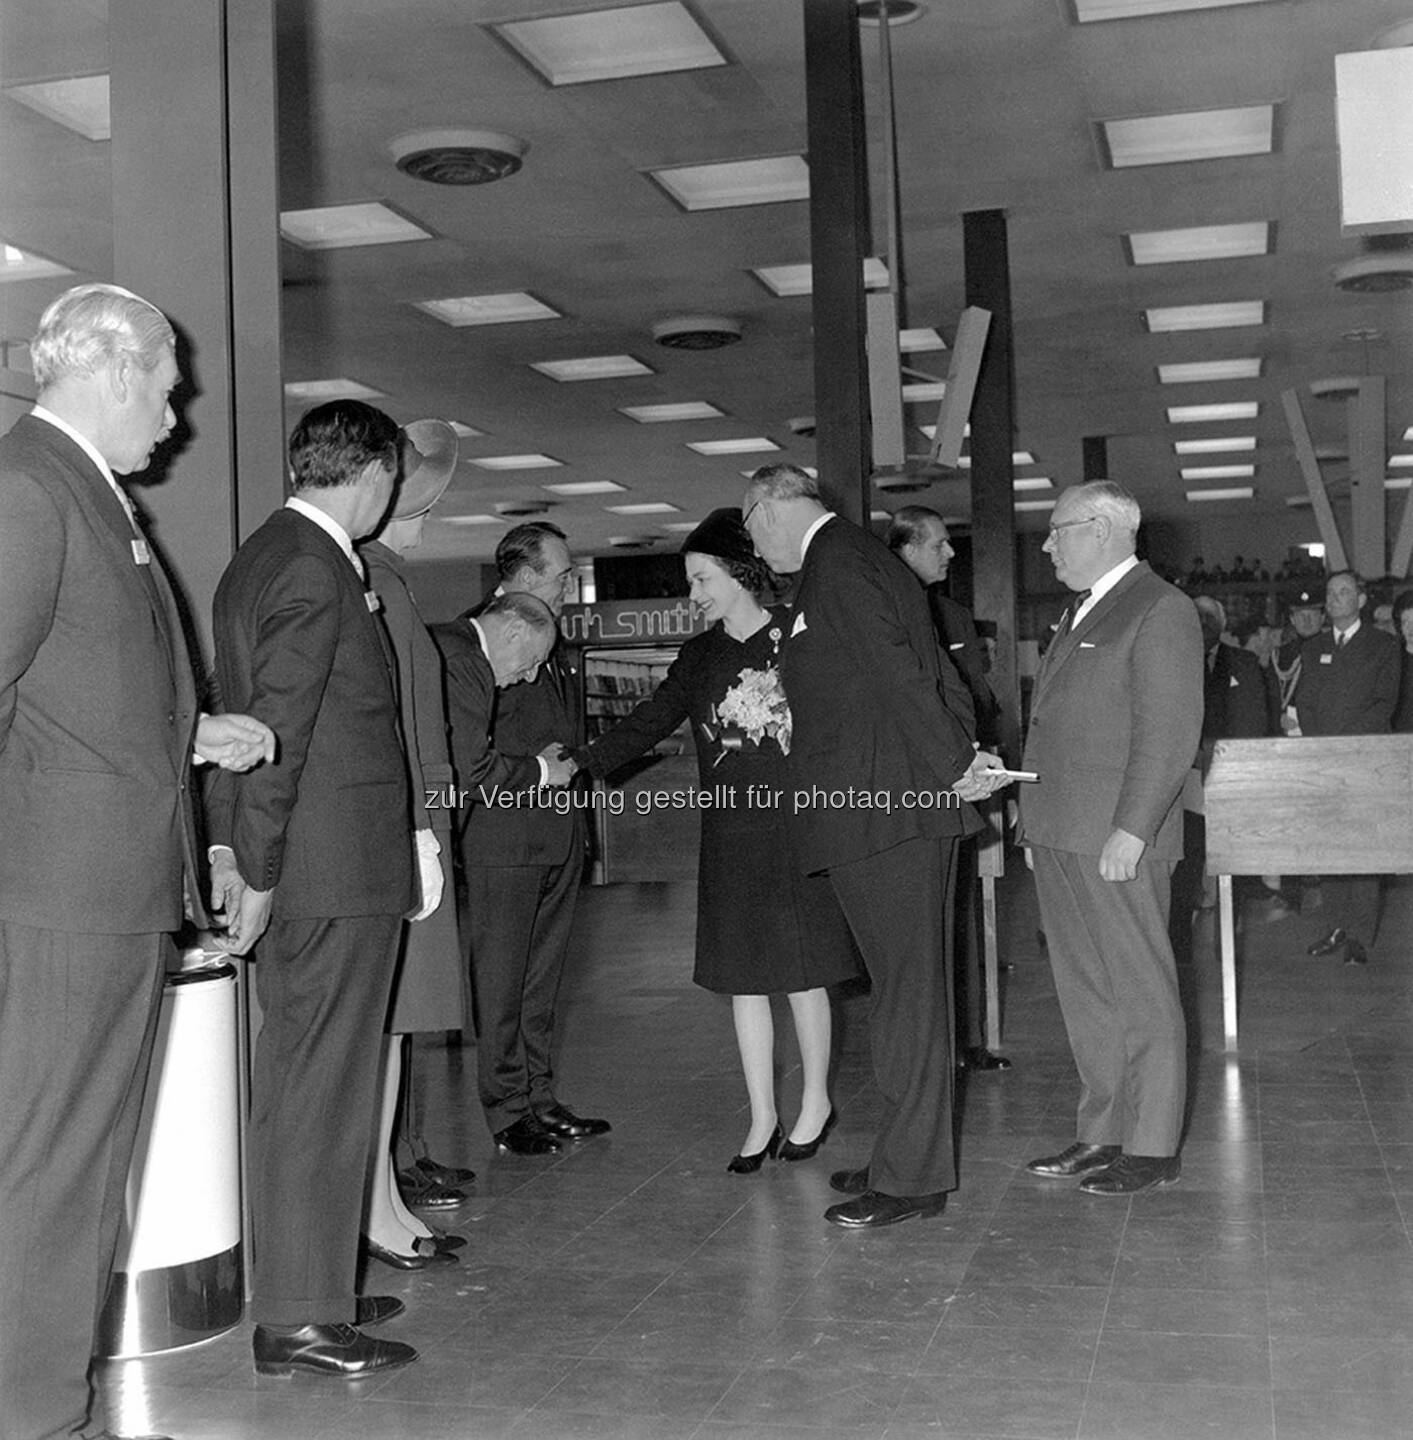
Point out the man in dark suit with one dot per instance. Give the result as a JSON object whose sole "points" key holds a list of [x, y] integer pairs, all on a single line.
{"points": [[1349, 679], [522, 865], [98, 730], [1115, 722], [881, 769], [918, 537], [320, 851], [522, 855]]}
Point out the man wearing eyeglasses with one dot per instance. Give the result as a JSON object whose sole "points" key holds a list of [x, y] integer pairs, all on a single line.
{"points": [[1115, 722]]}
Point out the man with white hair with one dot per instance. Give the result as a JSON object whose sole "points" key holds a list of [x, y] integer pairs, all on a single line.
{"points": [[1115, 721], [99, 727]]}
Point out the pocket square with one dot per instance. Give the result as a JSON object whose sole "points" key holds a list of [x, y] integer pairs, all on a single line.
{"points": [[799, 627], [1233, 683], [958, 646], [1087, 645]]}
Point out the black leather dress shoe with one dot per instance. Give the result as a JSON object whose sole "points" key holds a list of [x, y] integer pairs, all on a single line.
{"points": [[1335, 940], [850, 1182], [338, 1350], [376, 1309], [1133, 1174], [443, 1241], [395, 1258], [981, 1059], [1078, 1159], [526, 1137], [427, 1169], [874, 1209], [429, 1195], [562, 1122]]}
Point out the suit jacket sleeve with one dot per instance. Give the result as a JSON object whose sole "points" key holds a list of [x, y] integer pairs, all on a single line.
{"points": [[471, 698], [31, 565], [295, 642], [652, 720], [1166, 714]]}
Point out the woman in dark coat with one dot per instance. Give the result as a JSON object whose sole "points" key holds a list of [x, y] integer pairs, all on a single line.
{"points": [[762, 927]]}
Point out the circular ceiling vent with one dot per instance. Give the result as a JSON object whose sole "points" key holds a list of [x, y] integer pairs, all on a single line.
{"points": [[1376, 274], [458, 157], [697, 332], [527, 506]]}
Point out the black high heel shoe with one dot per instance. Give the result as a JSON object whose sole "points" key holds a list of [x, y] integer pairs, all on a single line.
{"points": [[790, 1151], [749, 1164]]}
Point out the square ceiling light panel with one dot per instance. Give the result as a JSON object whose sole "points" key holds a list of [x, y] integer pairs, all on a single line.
{"points": [[1400, 462], [1192, 135], [1199, 242], [645, 507], [1212, 414], [17, 264], [731, 183], [468, 520], [787, 280], [1217, 445], [517, 462], [339, 227], [513, 308], [612, 44], [1226, 315], [592, 367], [1089, 11], [466, 432], [751, 445], [669, 411], [336, 389], [585, 487], [79, 104], [1196, 372]]}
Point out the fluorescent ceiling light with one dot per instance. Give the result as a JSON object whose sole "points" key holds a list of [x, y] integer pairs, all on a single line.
{"points": [[1399, 482], [1200, 242], [645, 507], [1218, 472], [1088, 11], [467, 432], [469, 520], [1034, 505], [340, 389], [506, 309], [683, 525], [1194, 372], [1235, 492], [880, 515], [1193, 135], [1018, 457], [1218, 445], [912, 342], [920, 391], [681, 410], [732, 447], [731, 183], [787, 280], [17, 264], [592, 367], [1202, 414], [80, 104], [1399, 462], [612, 44], [1227, 315], [584, 487], [335, 227], [517, 462], [1031, 482], [1408, 433], [1022, 457]]}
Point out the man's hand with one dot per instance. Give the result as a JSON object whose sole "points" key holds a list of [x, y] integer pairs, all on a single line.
{"points": [[429, 872], [1119, 858], [234, 742], [252, 915], [558, 771], [977, 784]]}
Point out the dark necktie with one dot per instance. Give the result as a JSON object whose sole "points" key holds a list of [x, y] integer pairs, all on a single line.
{"points": [[1079, 599]]}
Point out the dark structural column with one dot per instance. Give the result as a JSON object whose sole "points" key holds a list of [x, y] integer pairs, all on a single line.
{"points": [[993, 524], [1096, 457], [838, 235], [195, 230]]}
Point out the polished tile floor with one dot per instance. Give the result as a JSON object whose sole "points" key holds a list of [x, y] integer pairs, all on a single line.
{"points": [[632, 1290]]}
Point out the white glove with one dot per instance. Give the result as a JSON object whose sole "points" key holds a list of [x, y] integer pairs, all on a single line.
{"points": [[429, 872]]}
